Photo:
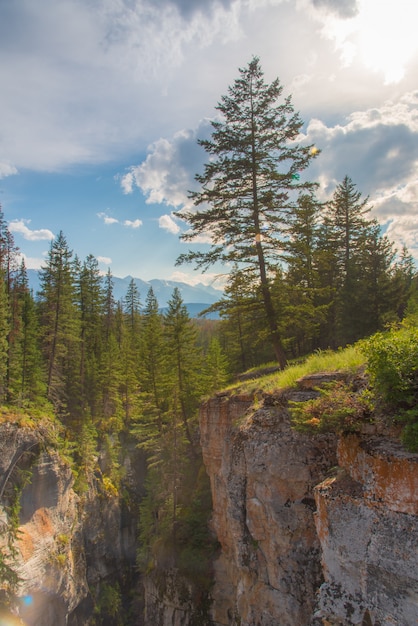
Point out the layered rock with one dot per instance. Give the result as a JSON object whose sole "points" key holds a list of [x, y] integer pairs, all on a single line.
{"points": [[263, 476], [313, 529], [368, 528], [67, 546]]}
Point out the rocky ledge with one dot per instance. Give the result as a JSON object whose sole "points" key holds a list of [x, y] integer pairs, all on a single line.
{"points": [[313, 529]]}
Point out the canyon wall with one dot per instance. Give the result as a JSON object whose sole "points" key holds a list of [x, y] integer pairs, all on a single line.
{"points": [[73, 552], [314, 530]]}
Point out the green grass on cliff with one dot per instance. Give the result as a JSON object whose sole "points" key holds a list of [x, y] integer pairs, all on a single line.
{"points": [[343, 360]]}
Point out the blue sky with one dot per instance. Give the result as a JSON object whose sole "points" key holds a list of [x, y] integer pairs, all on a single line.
{"points": [[102, 101]]}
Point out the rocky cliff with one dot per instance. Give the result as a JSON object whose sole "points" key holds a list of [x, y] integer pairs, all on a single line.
{"points": [[73, 553], [313, 529]]}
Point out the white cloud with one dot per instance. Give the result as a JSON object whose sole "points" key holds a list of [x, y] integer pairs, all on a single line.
{"points": [[167, 173], [83, 80], [106, 260], [7, 169], [377, 147], [132, 223], [21, 227], [32, 263], [107, 219], [381, 35], [216, 281], [167, 223]]}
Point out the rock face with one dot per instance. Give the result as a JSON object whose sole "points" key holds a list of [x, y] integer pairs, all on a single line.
{"points": [[68, 546], [312, 529], [368, 528]]}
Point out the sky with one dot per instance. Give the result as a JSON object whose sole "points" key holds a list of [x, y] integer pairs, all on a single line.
{"points": [[102, 103]]}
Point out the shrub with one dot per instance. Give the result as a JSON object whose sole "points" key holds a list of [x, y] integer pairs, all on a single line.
{"points": [[338, 408], [392, 366]]}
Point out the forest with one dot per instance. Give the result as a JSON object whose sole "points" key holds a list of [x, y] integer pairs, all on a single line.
{"points": [[312, 276]]}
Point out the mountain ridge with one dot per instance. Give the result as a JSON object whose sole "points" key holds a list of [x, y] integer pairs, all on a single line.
{"points": [[196, 297]]}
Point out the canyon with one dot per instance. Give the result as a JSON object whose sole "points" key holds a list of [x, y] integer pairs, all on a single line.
{"points": [[311, 529]]}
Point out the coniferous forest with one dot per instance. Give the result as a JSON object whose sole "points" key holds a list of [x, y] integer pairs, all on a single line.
{"points": [[304, 275]]}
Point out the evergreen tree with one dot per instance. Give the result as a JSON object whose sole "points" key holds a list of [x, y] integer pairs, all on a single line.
{"points": [[4, 333], [91, 305], [404, 283], [303, 294], [248, 185], [243, 322], [184, 360], [215, 370], [376, 295], [26, 376], [153, 374], [60, 329], [350, 229], [110, 405]]}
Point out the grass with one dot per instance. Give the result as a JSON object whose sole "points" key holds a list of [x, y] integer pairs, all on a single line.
{"points": [[343, 360]]}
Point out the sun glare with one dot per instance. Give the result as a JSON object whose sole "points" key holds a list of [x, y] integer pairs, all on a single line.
{"points": [[382, 36], [387, 33]]}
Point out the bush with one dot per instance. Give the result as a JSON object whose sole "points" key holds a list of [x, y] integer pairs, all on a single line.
{"points": [[392, 366], [339, 408]]}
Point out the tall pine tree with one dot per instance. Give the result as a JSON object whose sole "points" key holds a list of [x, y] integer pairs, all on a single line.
{"points": [[248, 186]]}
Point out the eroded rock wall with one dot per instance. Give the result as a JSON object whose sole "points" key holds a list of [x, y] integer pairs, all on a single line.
{"points": [[263, 476], [68, 545], [313, 530], [368, 528]]}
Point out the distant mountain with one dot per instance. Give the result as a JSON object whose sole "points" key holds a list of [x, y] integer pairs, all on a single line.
{"points": [[195, 297]]}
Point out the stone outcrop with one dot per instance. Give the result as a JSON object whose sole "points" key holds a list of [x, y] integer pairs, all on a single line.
{"points": [[367, 523], [313, 529], [67, 545]]}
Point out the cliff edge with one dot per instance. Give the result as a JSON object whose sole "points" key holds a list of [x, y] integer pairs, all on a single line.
{"points": [[313, 529]]}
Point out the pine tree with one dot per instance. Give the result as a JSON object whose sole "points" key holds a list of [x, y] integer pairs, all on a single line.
{"points": [[184, 360], [91, 305], [248, 185], [215, 370], [60, 329], [153, 374], [243, 322], [303, 310], [110, 404], [26, 375]]}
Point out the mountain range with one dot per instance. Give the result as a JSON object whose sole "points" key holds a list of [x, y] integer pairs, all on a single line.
{"points": [[195, 297]]}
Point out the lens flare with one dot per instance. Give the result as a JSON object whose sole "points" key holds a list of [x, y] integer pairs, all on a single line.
{"points": [[8, 619]]}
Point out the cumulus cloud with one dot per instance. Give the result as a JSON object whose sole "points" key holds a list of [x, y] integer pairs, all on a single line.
{"points": [[166, 222], [377, 147], [167, 173], [7, 169], [381, 35], [32, 263], [82, 81], [343, 8], [187, 7], [21, 228], [107, 219], [132, 223]]}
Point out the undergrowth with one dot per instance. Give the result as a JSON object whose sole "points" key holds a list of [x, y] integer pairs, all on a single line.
{"points": [[349, 359]]}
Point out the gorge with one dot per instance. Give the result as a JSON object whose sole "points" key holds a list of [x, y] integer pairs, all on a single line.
{"points": [[311, 530]]}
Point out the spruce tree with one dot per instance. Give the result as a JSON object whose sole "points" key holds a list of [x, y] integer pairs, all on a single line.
{"points": [[303, 298], [185, 361], [61, 330], [248, 187], [91, 300]]}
